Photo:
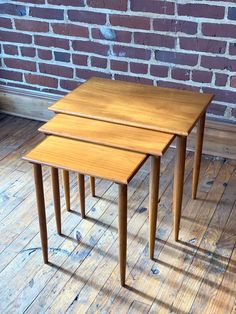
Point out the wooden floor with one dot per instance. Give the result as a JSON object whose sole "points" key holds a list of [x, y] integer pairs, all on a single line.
{"points": [[195, 275]]}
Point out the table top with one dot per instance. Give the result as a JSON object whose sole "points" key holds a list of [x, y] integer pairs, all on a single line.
{"points": [[161, 109], [86, 158], [110, 134]]}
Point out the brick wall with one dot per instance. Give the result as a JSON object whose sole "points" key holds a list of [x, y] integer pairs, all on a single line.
{"points": [[54, 45]]}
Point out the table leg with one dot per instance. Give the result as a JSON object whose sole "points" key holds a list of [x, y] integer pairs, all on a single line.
{"points": [[122, 230], [41, 209], [178, 182], [153, 202], [56, 197], [198, 154], [81, 194], [92, 185], [66, 182]]}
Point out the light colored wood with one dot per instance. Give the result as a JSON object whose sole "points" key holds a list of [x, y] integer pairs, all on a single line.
{"points": [[56, 198], [198, 155], [81, 194], [110, 134], [122, 231], [92, 186], [161, 109], [178, 182], [18, 102], [66, 183], [41, 210], [153, 202], [99, 161]]}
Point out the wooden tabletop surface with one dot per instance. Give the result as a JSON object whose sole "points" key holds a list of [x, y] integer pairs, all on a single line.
{"points": [[110, 134], [161, 109], [96, 160]]}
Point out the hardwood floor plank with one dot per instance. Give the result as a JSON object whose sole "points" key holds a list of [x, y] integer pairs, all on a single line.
{"points": [[218, 289], [197, 267]]}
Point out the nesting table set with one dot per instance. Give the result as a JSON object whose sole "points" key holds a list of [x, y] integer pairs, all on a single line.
{"points": [[108, 129]]}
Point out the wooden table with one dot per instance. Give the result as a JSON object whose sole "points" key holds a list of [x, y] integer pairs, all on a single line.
{"points": [[161, 109]]}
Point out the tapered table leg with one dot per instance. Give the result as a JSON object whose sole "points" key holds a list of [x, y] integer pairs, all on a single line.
{"points": [[56, 197], [81, 194], [122, 230], [198, 154], [41, 209], [92, 185], [178, 182], [66, 182], [153, 202]]}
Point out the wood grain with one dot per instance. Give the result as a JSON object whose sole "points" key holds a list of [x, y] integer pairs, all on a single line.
{"points": [[110, 134], [99, 161], [161, 109]]}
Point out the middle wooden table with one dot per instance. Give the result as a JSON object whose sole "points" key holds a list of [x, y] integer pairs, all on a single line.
{"points": [[160, 109]]}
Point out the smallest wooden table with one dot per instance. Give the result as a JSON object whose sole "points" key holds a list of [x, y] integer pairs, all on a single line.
{"points": [[85, 158]]}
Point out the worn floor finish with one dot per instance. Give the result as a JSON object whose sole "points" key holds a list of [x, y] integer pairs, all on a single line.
{"points": [[195, 275]]}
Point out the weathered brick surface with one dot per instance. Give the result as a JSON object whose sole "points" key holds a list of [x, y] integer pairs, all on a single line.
{"points": [[53, 46]]}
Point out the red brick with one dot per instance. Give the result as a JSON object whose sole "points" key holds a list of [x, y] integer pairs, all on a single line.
{"points": [[176, 57], [10, 75], [41, 80], [86, 74], [44, 54], [178, 86], [20, 64], [99, 62], [220, 63], [131, 52], [51, 42], [10, 49], [200, 44], [155, 6], [76, 3], [233, 113], [28, 51], [137, 22], [180, 74], [69, 85], [89, 46], [5, 23], [120, 5], [79, 59], [139, 68], [119, 65], [159, 70], [201, 76], [134, 79], [219, 30], [87, 17], [15, 37], [201, 10], [221, 79], [216, 109], [167, 25], [70, 30], [233, 81], [32, 26], [152, 39], [232, 49], [119, 36], [46, 13], [12, 9], [223, 95], [56, 70], [32, 1]]}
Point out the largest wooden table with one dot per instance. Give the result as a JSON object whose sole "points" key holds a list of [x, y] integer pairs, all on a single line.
{"points": [[161, 109]]}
